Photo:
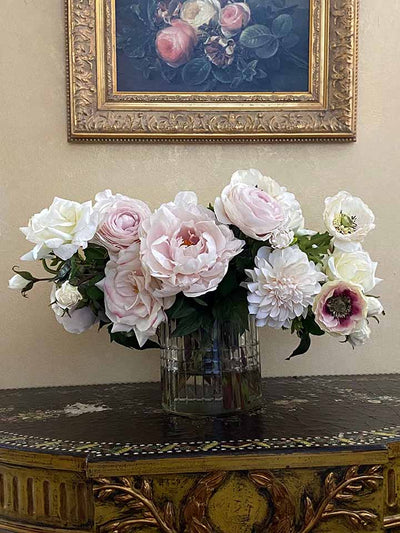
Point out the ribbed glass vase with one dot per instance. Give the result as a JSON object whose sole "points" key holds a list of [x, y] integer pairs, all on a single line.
{"points": [[210, 375]]}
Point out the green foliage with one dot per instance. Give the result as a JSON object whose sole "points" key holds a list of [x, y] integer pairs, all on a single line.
{"points": [[304, 328], [196, 71], [315, 246], [129, 340]]}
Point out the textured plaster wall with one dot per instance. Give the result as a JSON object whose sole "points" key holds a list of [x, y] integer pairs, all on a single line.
{"points": [[37, 163]]}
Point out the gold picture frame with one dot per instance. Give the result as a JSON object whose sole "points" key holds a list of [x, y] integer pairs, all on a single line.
{"points": [[97, 111]]}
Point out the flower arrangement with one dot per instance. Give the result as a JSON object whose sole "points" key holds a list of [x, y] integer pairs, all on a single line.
{"points": [[128, 269], [214, 45]]}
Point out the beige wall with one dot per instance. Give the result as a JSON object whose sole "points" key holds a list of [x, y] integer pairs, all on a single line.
{"points": [[37, 163]]}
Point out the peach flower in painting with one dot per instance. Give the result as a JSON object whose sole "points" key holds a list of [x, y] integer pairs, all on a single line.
{"points": [[175, 43]]}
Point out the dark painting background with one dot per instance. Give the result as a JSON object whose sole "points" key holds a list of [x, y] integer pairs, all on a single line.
{"points": [[286, 70]]}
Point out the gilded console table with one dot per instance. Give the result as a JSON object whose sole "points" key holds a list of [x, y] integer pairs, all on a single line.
{"points": [[323, 455]]}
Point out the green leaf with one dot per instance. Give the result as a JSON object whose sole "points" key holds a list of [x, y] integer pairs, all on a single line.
{"points": [[315, 246], [24, 274], [129, 340], [182, 307], [305, 343], [311, 326], [228, 283], [269, 49], [224, 75], [196, 71], [200, 302], [188, 324], [256, 36], [282, 25], [94, 293]]}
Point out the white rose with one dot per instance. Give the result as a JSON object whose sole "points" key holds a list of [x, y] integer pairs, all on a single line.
{"points": [[17, 282], [73, 320], [348, 219], [67, 295], [375, 308], [62, 228], [361, 335], [199, 12], [354, 267]]}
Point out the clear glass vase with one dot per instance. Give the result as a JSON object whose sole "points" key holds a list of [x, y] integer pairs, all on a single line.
{"points": [[217, 374]]}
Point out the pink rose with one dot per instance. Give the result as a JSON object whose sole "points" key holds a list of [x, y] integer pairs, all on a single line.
{"points": [[128, 296], [184, 247], [233, 18], [175, 43], [340, 308], [248, 206], [119, 220]]}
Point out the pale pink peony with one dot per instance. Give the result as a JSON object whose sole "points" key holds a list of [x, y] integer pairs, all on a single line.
{"points": [[175, 43], [249, 207], [129, 296], [184, 247], [340, 308], [233, 18], [119, 220]]}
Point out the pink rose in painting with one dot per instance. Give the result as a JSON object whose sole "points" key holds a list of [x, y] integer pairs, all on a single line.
{"points": [[233, 18], [119, 220], [340, 308], [175, 43], [184, 247]]}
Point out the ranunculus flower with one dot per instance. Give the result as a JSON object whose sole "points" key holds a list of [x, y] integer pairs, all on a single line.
{"points": [[348, 219], [246, 204], [63, 228], [72, 319], [233, 18], [282, 286], [119, 220], [354, 267], [340, 308], [184, 247], [17, 282], [175, 43], [129, 296], [200, 12], [220, 51], [67, 295]]}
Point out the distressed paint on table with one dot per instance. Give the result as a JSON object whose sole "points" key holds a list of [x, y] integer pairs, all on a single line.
{"points": [[321, 455]]}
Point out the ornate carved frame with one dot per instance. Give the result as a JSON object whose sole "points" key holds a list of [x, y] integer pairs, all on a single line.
{"points": [[98, 112]]}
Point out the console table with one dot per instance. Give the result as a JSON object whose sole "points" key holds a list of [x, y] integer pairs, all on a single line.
{"points": [[322, 455]]}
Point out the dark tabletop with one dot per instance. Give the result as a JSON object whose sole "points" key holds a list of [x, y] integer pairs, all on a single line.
{"points": [[126, 420]]}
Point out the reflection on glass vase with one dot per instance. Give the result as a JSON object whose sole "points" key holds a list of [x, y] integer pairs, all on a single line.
{"points": [[217, 374]]}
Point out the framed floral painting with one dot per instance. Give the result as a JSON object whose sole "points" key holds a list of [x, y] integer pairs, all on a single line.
{"points": [[234, 70]]}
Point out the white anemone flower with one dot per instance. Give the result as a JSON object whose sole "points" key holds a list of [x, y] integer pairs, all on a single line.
{"points": [[348, 219], [282, 287]]}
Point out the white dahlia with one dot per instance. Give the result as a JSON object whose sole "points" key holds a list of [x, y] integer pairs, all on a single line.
{"points": [[282, 287]]}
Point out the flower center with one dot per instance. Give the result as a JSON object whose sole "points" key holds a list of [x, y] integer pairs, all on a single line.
{"points": [[189, 239], [345, 224], [339, 306]]}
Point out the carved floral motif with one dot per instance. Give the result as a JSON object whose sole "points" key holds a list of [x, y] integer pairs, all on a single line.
{"points": [[339, 491]]}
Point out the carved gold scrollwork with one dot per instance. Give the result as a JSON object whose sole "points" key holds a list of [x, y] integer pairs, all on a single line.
{"points": [[249, 117], [336, 492], [135, 495]]}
